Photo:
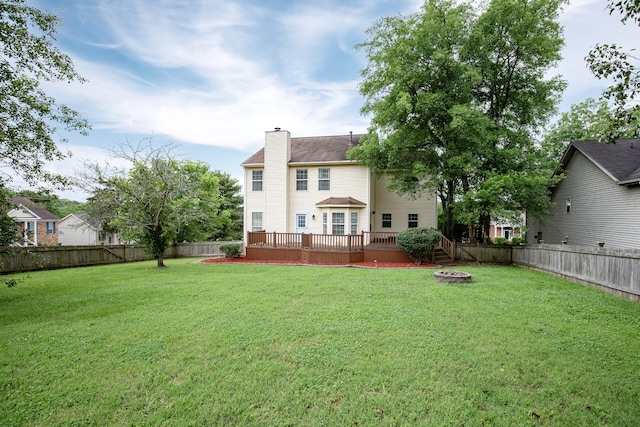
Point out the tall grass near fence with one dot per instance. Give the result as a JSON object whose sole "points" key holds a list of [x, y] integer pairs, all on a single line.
{"points": [[198, 344]]}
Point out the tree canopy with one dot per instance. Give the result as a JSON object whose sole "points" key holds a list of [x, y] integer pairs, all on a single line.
{"points": [[455, 97], [160, 200], [28, 116], [611, 61]]}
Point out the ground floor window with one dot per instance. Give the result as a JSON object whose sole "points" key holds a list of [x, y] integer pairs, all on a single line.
{"points": [[325, 225], [354, 222], [412, 221], [386, 220], [337, 223], [256, 221], [51, 227]]}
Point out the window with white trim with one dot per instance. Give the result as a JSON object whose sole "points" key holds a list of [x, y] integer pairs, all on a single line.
{"points": [[301, 179], [354, 222], [568, 204], [325, 225], [51, 227], [386, 220], [412, 221], [256, 221], [337, 223], [256, 180], [324, 179]]}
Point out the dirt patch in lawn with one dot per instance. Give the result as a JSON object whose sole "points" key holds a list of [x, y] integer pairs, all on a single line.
{"points": [[243, 260]]}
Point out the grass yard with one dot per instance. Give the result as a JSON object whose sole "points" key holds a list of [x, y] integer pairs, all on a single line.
{"points": [[267, 345]]}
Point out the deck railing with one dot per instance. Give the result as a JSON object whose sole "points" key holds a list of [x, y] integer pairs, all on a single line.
{"points": [[350, 242]]}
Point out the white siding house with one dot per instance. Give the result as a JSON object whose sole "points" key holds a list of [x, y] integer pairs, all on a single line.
{"points": [[598, 200], [307, 185], [76, 230]]}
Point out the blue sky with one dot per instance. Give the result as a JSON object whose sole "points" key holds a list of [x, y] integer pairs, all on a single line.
{"points": [[211, 76]]}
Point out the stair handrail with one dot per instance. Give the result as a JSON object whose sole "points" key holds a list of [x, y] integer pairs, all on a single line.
{"points": [[448, 246]]}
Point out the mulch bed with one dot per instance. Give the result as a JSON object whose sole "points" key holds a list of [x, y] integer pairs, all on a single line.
{"points": [[243, 260]]}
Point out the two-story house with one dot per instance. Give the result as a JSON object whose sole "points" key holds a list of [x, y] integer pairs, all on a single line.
{"points": [[307, 185], [598, 201]]}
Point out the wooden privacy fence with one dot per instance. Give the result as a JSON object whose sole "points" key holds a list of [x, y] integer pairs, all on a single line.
{"points": [[48, 258], [616, 271]]}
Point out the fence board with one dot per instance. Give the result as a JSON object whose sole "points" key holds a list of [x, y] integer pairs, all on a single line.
{"points": [[53, 257]]}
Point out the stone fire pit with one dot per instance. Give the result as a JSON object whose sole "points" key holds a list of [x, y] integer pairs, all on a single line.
{"points": [[449, 276]]}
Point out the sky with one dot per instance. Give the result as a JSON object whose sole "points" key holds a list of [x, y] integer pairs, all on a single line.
{"points": [[211, 76]]}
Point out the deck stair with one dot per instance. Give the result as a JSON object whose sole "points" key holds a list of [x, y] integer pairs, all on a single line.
{"points": [[440, 257]]}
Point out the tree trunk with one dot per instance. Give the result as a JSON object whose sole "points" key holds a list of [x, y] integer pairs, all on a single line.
{"points": [[161, 260]]}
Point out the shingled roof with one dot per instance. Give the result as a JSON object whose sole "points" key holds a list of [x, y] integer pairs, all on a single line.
{"points": [[38, 210], [621, 161], [314, 149]]}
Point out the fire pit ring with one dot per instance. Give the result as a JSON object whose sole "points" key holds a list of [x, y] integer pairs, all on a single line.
{"points": [[450, 276]]}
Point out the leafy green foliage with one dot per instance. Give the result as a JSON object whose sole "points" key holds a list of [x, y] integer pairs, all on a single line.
{"points": [[500, 240], [610, 61], [28, 116], [518, 240], [231, 250], [455, 99], [160, 200], [418, 243], [589, 119], [8, 227]]}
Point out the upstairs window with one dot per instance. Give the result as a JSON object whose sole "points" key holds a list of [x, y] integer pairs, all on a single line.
{"points": [[386, 220], [301, 179], [412, 221], [256, 180], [568, 204], [324, 179]]}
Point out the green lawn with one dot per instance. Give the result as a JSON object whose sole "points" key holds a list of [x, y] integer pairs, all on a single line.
{"points": [[264, 345]]}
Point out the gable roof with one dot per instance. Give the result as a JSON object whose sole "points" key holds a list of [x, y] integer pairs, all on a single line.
{"points": [[314, 149], [37, 210], [621, 161]]}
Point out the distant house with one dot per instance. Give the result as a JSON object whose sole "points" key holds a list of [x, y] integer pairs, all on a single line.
{"points": [[506, 228], [77, 230], [598, 200], [36, 224], [307, 185]]}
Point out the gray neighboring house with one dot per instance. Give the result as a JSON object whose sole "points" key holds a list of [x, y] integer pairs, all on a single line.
{"points": [[598, 200]]}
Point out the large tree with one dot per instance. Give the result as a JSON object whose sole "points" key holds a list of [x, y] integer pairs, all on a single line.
{"points": [[29, 135], [611, 61], [455, 96], [159, 200]]}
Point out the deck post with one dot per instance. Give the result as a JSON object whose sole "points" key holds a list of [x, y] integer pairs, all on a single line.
{"points": [[275, 244]]}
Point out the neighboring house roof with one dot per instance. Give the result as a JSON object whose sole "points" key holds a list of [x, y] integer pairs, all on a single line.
{"points": [[620, 161], [81, 218], [38, 211], [341, 201], [314, 149]]}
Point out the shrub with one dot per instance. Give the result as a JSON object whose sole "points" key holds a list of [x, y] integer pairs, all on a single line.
{"points": [[231, 250], [500, 241], [517, 240], [418, 243]]}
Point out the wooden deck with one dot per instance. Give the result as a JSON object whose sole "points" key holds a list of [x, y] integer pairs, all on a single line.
{"points": [[328, 248]]}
